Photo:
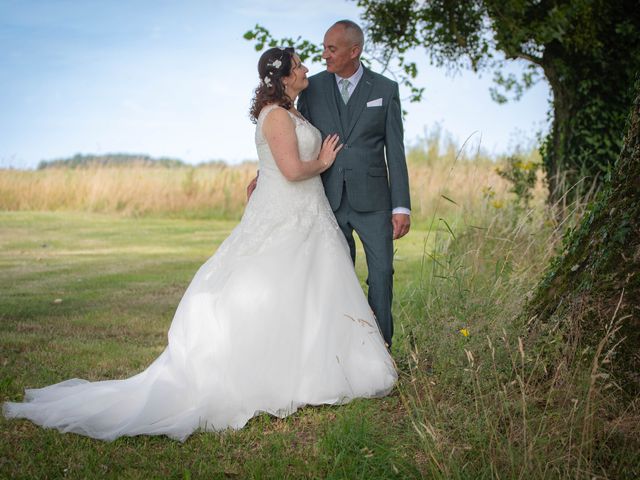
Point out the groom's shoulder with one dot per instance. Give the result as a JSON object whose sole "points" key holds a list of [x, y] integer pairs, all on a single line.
{"points": [[318, 77], [315, 85], [382, 80]]}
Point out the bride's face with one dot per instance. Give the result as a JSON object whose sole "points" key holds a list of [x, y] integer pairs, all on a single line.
{"points": [[297, 79]]}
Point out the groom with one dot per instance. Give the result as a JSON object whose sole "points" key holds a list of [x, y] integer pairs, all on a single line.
{"points": [[367, 193]]}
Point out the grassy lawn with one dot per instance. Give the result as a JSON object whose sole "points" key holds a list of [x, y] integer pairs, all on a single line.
{"points": [[92, 296]]}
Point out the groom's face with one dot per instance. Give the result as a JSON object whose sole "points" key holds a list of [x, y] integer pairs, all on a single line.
{"points": [[340, 52]]}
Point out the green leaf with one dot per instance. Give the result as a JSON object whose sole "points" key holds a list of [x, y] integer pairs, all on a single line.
{"points": [[447, 198], [448, 228]]}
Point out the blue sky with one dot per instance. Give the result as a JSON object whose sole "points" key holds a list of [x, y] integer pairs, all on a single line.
{"points": [[175, 78]]}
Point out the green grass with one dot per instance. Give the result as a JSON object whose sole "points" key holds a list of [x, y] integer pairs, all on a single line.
{"points": [[465, 407], [119, 281]]}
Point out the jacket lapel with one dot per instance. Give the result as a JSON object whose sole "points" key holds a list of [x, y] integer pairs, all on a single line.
{"points": [[359, 99], [330, 97]]}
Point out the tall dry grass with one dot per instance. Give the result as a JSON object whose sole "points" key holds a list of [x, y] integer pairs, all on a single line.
{"points": [[436, 169], [485, 399], [129, 190]]}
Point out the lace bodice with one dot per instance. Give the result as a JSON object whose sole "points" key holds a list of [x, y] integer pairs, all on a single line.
{"points": [[273, 188], [309, 140]]}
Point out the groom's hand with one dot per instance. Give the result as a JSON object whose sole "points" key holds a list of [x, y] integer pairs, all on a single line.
{"points": [[252, 186], [401, 224]]}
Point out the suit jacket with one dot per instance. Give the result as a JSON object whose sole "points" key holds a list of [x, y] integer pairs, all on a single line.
{"points": [[372, 162]]}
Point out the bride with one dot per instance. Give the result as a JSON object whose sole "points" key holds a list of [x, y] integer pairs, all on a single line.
{"points": [[274, 320]]}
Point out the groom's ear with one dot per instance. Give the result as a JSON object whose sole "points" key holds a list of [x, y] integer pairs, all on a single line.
{"points": [[356, 51]]}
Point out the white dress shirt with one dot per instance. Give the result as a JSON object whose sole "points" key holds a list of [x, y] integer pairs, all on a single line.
{"points": [[353, 83], [353, 79]]}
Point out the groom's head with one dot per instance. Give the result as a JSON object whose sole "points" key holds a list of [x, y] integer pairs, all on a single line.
{"points": [[343, 44]]}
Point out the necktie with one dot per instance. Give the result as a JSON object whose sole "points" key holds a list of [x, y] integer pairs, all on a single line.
{"points": [[344, 90]]}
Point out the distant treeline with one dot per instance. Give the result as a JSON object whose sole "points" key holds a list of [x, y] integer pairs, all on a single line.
{"points": [[118, 160]]}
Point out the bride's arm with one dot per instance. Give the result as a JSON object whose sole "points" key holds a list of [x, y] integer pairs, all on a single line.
{"points": [[279, 131]]}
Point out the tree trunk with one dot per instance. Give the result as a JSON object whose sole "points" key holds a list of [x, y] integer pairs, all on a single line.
{"points": [[555, 151], [592, 290], [589, 113]]}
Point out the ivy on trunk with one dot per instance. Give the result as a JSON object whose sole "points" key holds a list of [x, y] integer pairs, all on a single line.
{"points": [[591, 291]]}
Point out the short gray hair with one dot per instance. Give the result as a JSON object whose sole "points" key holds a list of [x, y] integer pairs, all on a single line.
{"points": [[354, 31]]}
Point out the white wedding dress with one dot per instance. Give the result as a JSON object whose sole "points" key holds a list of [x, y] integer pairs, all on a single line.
{"points": [[274, 320]]}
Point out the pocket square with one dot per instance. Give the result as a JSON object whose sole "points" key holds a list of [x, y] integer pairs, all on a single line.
{"points": [[375, 103]]}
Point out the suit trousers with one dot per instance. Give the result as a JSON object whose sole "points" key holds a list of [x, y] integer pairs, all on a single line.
{"points": [[376, 233]]}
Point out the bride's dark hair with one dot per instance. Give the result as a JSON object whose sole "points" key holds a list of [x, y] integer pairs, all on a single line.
{"points": [[274, 64]]}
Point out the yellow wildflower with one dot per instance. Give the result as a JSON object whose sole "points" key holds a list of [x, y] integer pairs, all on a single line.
{"points": [[528, 166], [488, 192], [464, 332]]}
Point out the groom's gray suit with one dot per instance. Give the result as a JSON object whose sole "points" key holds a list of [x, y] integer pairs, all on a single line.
{"points": [[363, 187]]}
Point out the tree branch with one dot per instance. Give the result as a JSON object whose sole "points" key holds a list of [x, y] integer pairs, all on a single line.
{"points": [[530, 58]]}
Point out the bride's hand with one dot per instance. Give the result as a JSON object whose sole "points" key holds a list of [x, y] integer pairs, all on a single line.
{"points": [[329, 150], [252, 186]]}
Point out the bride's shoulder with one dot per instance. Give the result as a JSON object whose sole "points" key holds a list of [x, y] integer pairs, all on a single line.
{"points": [[270, 107], [273, 111]]}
